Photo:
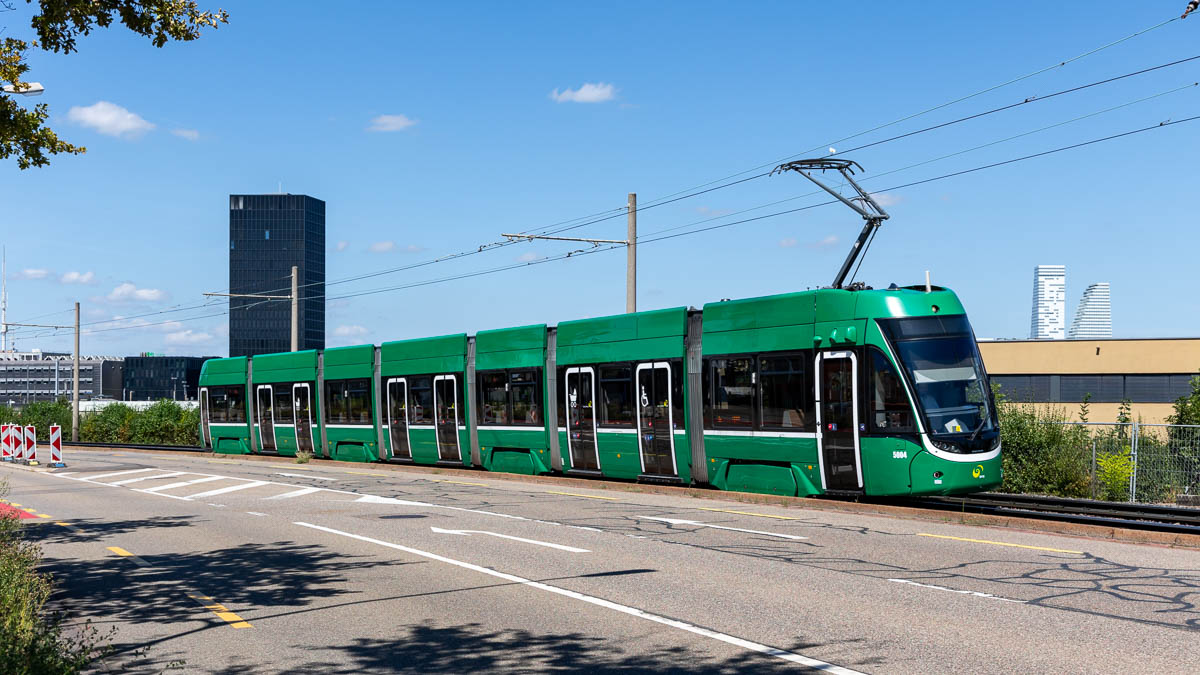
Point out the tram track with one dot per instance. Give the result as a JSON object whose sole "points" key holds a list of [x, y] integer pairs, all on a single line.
{"points": [[1152, 517]]}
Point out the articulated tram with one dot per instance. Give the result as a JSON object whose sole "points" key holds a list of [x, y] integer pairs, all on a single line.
{"points": [[831, 391]]}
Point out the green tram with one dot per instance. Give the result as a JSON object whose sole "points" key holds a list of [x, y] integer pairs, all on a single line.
{"points": [[830, 391]]}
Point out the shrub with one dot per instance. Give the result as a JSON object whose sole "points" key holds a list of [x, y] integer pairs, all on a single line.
{"points": [[1042, 455]]}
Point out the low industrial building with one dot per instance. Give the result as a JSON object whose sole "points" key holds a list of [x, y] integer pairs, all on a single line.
{"points": [[1150, 373], [150, 378], [26, 377]]}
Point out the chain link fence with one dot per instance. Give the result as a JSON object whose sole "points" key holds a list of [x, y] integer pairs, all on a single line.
{"points": [[1136, 462]]}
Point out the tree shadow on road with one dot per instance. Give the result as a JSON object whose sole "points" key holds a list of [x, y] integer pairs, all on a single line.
{"points": [[90, 530], [468, 648]]}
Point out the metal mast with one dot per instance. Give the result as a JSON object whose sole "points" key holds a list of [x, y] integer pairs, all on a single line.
{"points": [[4, 300], [863, 204]]}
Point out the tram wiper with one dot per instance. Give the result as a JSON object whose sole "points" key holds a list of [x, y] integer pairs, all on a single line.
{"points": [[979, 428]]}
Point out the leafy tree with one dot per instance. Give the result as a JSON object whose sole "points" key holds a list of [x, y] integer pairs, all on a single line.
{"points": [[1187, 408], [58, 24]]}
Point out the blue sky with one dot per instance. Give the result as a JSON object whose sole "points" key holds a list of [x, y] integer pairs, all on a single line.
{"points": [[432, 128]]}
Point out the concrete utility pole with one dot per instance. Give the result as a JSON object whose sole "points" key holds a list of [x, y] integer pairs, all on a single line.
{"points": [[75, 382], [630, 244], [295, 308], [631, 257], [294, 296]]}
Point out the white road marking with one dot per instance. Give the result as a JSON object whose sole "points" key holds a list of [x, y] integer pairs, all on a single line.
{"points": [[467, 533], [172, 486], [297, 493], [110, 475], [231, 488], [134, 480], [676, 521], [955, 590], [600, 602], [65, 473], [256, 513], [373, 499], [300, 475]]}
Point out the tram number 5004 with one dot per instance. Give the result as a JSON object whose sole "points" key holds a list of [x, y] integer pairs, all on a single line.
{"points": [[899, 454]]}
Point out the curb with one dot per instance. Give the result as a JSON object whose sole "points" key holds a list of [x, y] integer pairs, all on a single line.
{"points": [[1016, 523]]}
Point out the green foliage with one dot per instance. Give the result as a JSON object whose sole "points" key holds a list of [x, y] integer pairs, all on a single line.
{"points": [[1113, 471], [303, 457], [34, 642], [58, 23], [41, 414], [1084, 408], [112, 424], [164, 423], [1041, 453]]}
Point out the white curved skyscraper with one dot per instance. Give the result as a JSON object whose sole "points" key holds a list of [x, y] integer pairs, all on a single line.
{"points": [[1093, 317], [1049, 320]]}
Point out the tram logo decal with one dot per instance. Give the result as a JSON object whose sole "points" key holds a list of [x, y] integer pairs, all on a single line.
{"points": [[977, 472]]}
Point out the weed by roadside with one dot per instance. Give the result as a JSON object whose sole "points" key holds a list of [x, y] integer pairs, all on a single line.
{"points": [[302, 457]]}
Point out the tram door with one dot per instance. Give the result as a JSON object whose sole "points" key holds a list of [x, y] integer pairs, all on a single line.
{"points": [[445, 405], [656, 429], [581, 419], [206, 435], [302, 404], [266, 416], [397, 398], [837, 420]]}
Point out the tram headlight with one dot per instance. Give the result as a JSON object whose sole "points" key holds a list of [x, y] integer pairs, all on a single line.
{"points": [[942, 445]]}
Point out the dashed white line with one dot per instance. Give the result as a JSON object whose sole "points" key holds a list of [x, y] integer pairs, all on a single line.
{"points": [[256, 513], [110, 475], [608, 604], [960, 592], [297, 493], [172, 486], [141, 478], [696, 523]]}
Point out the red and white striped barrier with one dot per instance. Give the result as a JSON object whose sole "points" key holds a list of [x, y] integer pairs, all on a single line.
{"points": [[56, 446], [31, 444], [6, 442]]}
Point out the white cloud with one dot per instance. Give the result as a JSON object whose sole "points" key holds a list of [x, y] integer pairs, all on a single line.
{"points": [[77, 278], [127, 291], [110, 119], [382, 247], [350, 330], [188, 337], [884, 199], [341, 245], [831, 240], [412, 248], [32, 274], [187, 134], [527, 257], [588, 93], [391, 123], [789, 242]]}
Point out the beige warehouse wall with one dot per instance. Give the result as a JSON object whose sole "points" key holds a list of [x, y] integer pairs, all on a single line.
{"points": [[1091, 357]]}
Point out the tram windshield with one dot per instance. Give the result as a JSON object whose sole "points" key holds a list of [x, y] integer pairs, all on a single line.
{"points": [[943, 365]]}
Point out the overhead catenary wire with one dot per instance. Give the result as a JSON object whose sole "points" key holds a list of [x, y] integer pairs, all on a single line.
{"points": [[616, 212]]}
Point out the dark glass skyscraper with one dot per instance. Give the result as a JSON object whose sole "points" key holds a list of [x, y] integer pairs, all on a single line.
{"points": [[268, 234]]}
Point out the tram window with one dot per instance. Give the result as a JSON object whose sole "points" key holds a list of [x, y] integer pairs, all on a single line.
{"points": [[525, 398], [890, 411], [733, 393], [616, 396], [348, 401], [561, 397], [420, 400], [283, 403], [236, 395], [787, 397], [677, 395], [493, 398], [218, 404]]}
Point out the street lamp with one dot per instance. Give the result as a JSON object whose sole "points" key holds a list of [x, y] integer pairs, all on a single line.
{"points": [[30, 89]]}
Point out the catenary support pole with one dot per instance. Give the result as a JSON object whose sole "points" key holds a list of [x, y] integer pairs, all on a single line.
{"points": [[295, 308], [75, 383], [631, 260]]}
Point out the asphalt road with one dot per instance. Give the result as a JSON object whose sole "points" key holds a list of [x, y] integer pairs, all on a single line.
{"points": [[231, 566]]}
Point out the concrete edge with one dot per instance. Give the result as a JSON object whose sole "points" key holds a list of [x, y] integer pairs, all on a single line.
{"points": [[1017, 523]]}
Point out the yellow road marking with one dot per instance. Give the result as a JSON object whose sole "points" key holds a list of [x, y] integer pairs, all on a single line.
{"points": [[457, 482], [63, 524], [42, 515], [998, 543], [366, 473], [573, 494], [749, 513], [120, 551], [220, 461], [13, 504], [221, 611], [27, 509]]}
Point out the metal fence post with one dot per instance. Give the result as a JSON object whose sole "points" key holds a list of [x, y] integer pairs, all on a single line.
{"points": [[1093, 468], [1134, 457]]}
